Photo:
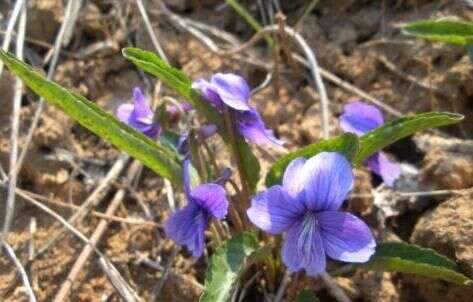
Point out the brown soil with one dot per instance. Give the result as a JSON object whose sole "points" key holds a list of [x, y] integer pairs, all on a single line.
{"points": [[358, 41]]}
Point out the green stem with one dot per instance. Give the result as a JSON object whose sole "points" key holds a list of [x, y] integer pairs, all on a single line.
{"points": [[248, 18], [198, 161], [232, 137]]}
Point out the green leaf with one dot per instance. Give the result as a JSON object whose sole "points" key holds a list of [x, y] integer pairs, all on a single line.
{"points": [[181, 83], [410, 258], [449, 31], [226, 265], [389, 133], [159, 158], [151, 63], [347, 144], [307, 296], [173, 78]]}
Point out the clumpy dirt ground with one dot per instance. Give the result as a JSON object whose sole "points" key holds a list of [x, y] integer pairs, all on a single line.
{"points": [[358, 41]]}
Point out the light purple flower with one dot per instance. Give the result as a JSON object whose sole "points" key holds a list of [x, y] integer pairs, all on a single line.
{"points": [[360, 118], [139, 115], [306, 208], [207, 131], [232, 91], [187, 226]]}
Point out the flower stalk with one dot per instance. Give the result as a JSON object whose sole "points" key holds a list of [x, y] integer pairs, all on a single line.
{"points": [[232, 137]]}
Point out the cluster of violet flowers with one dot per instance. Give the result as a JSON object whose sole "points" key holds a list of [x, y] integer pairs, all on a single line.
{"points": [[305, 208]]}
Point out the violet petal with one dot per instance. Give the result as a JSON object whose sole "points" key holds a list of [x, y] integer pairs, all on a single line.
{"points": [[328, 178], [252, 127], [346, 237], [208, 92], [142, 110], [212, 198], [124, 112], [187, 227], [382, 166], [292, 182], [273, 211], [359, 118], [232, 89], [303, 247], [186, 177]]}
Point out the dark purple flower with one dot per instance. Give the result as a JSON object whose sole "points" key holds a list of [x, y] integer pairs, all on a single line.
{"points": [[187, 226], [174, 111], [232, 91], [306, 208], [360, 118], [139, 115]]}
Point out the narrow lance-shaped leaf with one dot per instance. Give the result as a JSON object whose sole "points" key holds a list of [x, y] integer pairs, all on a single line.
{"points": [[159, 158], [181, 83], [410, 258], [393, 131], [449, 31], [173, 78], [226, 265], [347, 144]]}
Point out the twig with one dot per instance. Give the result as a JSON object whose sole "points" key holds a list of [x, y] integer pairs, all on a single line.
{"points": [[312, 62], [189, 23], [52, 68], [262, 12], [306, 12], [333, 288], [417, 193], [325, 73], [149, 28], [69, 28], [94, 239], [92, 200], [159, 287], [3, 174], [282, 286], [73, 230], [351, 88], [10, 27], [266, 81], [10, 203], [21, 270], [120, 285], [94, 213], [38, 43], [248, 18], [31, 243], [190, 26], [405, 76], [430, 193], [247, 285]]}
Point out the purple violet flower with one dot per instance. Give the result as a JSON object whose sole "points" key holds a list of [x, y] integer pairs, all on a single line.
{"points": [[360, 118], [306, 208], [187, 226], [226, 89], [207, 131], [174, 112], [139, 115]]}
